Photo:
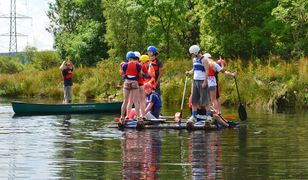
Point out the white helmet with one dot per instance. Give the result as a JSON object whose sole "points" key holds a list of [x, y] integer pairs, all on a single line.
{"points": [[137, 54], [194, 49], [207, 55]]}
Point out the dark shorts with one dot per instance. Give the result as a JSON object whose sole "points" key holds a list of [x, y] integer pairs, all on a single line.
{"points": [[200, 96], [217, 91]]}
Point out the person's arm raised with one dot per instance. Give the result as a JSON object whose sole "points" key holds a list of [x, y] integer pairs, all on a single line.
{"points": [[62, 66]]}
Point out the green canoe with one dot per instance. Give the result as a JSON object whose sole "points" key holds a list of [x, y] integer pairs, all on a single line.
{"points": [[23, 108]]}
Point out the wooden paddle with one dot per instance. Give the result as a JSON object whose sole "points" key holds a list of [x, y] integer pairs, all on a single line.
{"points": [[229, 116], [183, 97], [230, 123], [241, 109]]}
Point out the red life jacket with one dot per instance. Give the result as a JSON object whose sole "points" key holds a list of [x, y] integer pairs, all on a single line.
{"points": [[144, 70], [211, 71], [69, 74], [131, 69]]}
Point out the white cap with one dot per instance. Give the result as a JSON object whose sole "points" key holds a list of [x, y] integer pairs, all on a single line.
{"points": [[207, 55], [137, 54]]}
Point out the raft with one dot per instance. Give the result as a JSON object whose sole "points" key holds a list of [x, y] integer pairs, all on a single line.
{"points": [[200, 125]]}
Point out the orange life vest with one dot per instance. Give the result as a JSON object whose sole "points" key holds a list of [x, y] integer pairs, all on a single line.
{"points": [[144, 70], [211, 71], [155, 65], [131, 68]]}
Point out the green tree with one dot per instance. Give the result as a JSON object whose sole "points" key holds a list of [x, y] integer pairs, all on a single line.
{"points": [[125, 26], [294, 16], [45, 60], [78, 28], [28, 54], [235, 28], [167, 25], [135, 24], [10, 65]]}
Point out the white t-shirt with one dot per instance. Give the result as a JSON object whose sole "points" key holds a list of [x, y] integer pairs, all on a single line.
{"points": [[198, 74], [211, 80]]}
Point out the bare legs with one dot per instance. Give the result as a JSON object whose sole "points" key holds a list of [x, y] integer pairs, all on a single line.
{"points": [[130, 95]]}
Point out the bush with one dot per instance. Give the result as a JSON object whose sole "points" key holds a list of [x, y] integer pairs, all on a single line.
{"points": [[45, 60], [10, 65], [272, 84]]}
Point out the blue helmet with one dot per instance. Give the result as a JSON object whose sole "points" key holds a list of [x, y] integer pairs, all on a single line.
{"points": [[130, 54], [152, 48]]}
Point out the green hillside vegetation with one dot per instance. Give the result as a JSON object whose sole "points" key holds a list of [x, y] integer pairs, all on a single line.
{"points": [[274, 83], [264, 41]]}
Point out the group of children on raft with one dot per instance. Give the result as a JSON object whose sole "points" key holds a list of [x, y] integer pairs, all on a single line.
{"points": [[141, 74]]}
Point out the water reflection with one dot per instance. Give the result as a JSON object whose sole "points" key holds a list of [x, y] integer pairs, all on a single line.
{"points": [[269, 146], [242, 151], [141, 154], [205, 155], [67, 148]]}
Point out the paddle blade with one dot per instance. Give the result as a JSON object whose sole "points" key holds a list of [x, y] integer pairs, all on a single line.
{"points": [[229, 116], [242, 112]]}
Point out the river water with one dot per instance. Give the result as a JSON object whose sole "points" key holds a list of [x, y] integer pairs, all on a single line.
{"points": [[267, 146]]}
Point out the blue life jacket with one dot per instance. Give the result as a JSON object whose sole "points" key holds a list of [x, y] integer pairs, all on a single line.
{"points": [[198, 66]]}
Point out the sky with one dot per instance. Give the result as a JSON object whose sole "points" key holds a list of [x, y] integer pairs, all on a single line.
{"points": [[34, 28]]}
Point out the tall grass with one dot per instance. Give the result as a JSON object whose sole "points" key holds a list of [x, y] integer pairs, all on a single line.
{"points": [[267, 84]]}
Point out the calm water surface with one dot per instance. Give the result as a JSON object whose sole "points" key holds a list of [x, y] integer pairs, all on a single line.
{"points": [[267, 146]]}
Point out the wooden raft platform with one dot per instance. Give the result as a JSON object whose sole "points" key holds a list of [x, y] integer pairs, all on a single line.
{"points": [[166, 125]]}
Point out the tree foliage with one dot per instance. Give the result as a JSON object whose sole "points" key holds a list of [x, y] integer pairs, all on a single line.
{"points": [[294, 17], [78, 27], [135, 24], [234, 28], [10, 65], [46, 59]]}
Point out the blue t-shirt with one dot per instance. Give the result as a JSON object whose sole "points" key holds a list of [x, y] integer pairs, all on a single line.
{"points": [[155, 99]]}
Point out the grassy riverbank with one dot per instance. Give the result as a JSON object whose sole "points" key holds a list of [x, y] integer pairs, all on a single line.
{"points": [[261, 84]]}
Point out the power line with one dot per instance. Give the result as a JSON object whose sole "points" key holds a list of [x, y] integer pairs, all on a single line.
{"points": [[13, 32]]}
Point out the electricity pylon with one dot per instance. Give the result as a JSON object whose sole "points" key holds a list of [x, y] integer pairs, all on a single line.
{"points": [[13, 32]]}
